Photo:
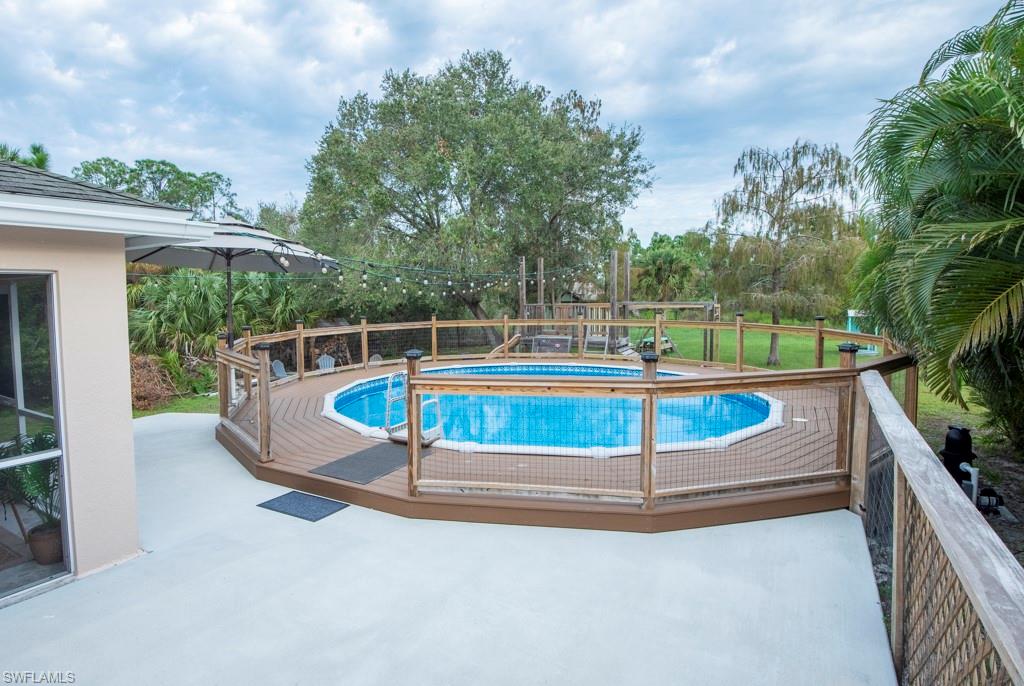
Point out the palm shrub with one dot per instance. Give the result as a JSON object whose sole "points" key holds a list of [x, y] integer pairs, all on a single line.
{"points": [[183, 311], [945, 162]]}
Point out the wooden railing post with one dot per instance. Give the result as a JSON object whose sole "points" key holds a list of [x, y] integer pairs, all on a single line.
{"points": [[581, 337], [896, 605], [223, 379], [861, 421], [847, 360], [910, 393], [504, 334], [739, 341], [365, 342], [412, 426], [300, 349], [819, 342], [262, 351], [247, 349], [433, 338], [648, 431], [659, 318]]}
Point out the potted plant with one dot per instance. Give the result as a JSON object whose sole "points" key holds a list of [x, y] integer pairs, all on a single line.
{"points": [[37, 486]]}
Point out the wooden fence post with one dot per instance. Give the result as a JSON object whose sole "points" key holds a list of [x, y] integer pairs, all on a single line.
{"points": [[300, 349], [659, 319], [365, 342], [910, 393], [847, 360], [819, 342], [247, 348], [223, 379], [433, 338], [540, 288], [262, 351], [581, 336], [896, 605], [648, 431], [504, 334], [412, 419], [739, 341], [861, 421]]}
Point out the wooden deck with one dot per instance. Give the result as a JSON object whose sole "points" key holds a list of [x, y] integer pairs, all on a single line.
{"points": [[695, 487]]}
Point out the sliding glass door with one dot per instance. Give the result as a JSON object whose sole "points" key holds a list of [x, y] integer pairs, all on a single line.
{"points": [[33, 531]]}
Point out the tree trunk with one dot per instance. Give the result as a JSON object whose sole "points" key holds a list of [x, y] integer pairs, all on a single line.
{"points": [[478, 312], [773, 350]]}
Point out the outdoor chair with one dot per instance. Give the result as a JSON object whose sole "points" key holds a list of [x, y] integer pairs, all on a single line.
{"points": [[325, 362], [277, 369]]}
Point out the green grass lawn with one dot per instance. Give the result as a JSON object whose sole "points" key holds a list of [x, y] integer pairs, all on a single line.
{"points": [[9, 424], [193, 403]]}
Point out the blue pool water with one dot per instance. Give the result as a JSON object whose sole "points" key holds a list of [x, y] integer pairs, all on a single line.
{"points": [[561, 423]]}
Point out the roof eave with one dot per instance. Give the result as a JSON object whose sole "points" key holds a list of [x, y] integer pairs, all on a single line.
{"points": [[139, 224]]}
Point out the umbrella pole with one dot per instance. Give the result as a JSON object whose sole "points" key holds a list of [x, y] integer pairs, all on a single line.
{"points": [[230, 295]]}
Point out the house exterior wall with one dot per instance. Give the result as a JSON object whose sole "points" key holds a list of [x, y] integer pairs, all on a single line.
{"points": [[95, 393]]}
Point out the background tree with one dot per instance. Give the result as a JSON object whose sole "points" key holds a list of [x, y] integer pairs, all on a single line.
{"points": [[279, 218], [672, 267], [208, 194], [945, 161], [465, 169], [37, 156], [785, 242]]}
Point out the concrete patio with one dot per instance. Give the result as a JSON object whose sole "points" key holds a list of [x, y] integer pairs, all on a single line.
{"points": [[231, 593]]}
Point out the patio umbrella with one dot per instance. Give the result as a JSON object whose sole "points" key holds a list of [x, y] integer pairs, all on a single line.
{"points": [[236, 246]]}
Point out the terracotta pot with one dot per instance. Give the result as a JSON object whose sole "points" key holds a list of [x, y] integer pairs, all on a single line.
{"points": [[46, 545]]}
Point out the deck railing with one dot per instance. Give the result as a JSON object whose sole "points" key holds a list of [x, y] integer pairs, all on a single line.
{"points": [[955, 592], [803, 438]]}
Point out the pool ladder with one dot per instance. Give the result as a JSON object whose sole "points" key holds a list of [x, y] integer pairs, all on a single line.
{"points": [[397, 431]]}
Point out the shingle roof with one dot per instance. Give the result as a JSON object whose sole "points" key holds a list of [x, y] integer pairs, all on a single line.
{"points": [[21, 180]]}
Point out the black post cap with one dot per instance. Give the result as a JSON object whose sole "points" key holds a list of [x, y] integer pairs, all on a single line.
{"points": [[413, 354], [848, 347], [222, 336], [246, 328], [300, 321], [261, 346], [648, 357], [819, 318], [739, 314]]}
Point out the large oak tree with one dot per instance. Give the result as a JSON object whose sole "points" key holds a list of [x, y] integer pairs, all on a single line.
{"points": [[467, 168]]}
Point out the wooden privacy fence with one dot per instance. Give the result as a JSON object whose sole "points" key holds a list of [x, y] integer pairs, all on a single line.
{"points": [[956, 605]]}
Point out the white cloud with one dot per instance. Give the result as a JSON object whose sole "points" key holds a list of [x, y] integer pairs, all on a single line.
{"points": [[246, 88]]}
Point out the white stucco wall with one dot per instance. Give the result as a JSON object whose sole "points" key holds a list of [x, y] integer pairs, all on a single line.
{"points": [[96, 386]]}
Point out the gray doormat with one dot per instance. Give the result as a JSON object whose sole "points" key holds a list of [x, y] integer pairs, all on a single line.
{"points": [[366, 465], [312, 508]]}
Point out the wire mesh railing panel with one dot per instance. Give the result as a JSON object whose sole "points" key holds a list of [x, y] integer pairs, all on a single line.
{"points": [[326, 352], [545, 339], [283, 359], [529, 444], [728, 441], [943, 637], [390, 345], [878, 520], [681, 340], [468, 341]]}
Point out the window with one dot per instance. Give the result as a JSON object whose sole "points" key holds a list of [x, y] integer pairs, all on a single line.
{"points": [[33, 528]]}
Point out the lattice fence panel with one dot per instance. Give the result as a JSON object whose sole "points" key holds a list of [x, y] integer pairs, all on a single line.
{"points": [[945, 642]]}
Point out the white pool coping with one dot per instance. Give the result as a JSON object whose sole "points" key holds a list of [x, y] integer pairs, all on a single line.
{"points": [[774, 420]]}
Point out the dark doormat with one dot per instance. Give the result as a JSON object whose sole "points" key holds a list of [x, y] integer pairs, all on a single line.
{"points": [[312, 508], [366, 465]]}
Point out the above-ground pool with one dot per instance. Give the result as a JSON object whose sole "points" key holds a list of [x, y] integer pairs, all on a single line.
{"points": [[560, 425]]}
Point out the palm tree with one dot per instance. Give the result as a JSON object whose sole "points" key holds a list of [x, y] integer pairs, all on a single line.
{"points": [[37, 156], [945, 160]]}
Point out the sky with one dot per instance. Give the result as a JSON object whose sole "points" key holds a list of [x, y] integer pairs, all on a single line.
{"points": [[247, 88]]}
